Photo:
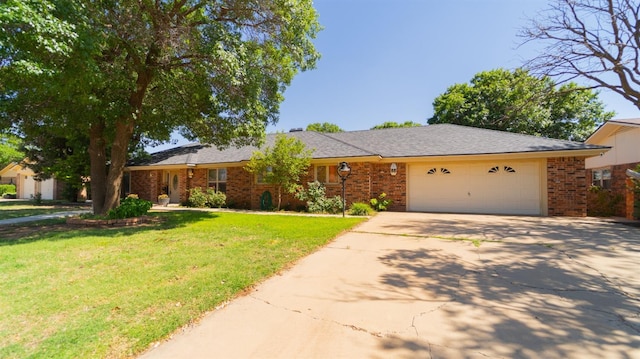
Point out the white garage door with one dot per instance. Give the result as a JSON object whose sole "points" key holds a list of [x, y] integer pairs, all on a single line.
{"points": [[478, 187]]}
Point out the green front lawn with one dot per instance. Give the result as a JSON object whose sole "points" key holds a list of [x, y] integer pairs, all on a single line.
{"points": [[16, 209], [112, 292]]}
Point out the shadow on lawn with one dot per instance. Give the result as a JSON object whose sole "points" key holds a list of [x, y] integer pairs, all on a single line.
{"points": [[54, 230]]}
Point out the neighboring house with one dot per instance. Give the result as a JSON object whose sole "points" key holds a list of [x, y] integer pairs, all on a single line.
{"points": [[27, 186], [437, 168], [608, 170]]}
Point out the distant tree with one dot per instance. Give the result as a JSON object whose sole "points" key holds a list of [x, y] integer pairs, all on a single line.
{"points": [[9, 150], [281, 165], [593, 40], [516, 101], [324, 127], [126, 72], [391, 124]]}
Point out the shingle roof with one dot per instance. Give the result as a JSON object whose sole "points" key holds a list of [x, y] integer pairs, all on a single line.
{"points": [[425, 141], [452, 140]]}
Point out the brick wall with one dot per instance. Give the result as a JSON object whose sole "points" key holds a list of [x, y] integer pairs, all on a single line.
{"points": [[567, 186], [146, 184], [618, 186], [394, 186]]}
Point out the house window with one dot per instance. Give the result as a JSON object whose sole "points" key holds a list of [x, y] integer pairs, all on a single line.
{"points": [[601, 178], [260, 177], [218, 179], [507, 169], [326, 174], [434, 170]]}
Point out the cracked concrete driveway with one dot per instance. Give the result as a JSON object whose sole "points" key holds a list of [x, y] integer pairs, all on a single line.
{"points": [[399, 286]]}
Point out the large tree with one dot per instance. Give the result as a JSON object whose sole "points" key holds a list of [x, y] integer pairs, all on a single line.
{"points": [[325, 127], [595, 40], [516, 101], [393, 124], [126, 72], [282, 165]]}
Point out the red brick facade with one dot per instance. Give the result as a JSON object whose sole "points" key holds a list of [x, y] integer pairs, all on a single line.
{"points": [[618, 187], [566, 187], [567, 184]]}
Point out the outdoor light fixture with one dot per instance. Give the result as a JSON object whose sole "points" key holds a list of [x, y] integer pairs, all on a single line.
{"points": [[343, 171], [190, 172], [394, 169]]}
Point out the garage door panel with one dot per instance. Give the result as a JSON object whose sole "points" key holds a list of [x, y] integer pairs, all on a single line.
{"points": [[479, 187]]}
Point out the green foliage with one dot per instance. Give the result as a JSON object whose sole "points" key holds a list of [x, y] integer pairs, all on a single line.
{"points": [[197, 198], [210, 198], [37, 198], [602, 202], [325, 127], [7, 188], [120, 74], [281, 165], [130, 207], [392, 124], [316, 199], [360, 209], [380, 203], [516, 101], [10, 150]]}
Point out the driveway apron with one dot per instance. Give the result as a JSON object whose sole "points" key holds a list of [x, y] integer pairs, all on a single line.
{"points": [[414, 285]]}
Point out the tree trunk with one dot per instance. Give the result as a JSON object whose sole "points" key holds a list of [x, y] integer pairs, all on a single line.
{"points": [[97, 156], [119, 150]]}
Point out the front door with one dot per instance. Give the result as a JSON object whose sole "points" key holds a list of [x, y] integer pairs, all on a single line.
{"points": [[174, 187]]}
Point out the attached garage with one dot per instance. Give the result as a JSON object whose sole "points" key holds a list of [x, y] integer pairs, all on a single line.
{"points": [[492, 187]]}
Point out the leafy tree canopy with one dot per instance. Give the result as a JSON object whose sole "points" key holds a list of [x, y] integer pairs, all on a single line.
{"points": [[282, 165], [10, 150], [391, 124], [516, 101], [123, 74], [325, 127]]}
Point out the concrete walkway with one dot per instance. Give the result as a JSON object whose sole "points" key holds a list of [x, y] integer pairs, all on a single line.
{"points": [[399, 287], [42, 217]]}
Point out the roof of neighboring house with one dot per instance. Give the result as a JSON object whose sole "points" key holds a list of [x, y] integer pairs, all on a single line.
{"points": [[610, 127], [425, 141]]}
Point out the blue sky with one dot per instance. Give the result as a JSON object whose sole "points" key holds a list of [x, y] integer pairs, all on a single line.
{"points": [[387, 60]]}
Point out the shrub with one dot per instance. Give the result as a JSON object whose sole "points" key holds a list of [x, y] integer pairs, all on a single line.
{"points": [[131, 206], [197, 198], [215, 199], [317, 202], [602, 202], [7, 188], [380, 203], [211, 198], [37, 198], [360, 209]]}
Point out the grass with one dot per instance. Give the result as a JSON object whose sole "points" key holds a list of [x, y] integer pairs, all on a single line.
{"points": [[112, 292], [16, 209]]}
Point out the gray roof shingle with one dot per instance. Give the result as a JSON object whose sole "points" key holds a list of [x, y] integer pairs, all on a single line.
{"points": [[425, 141]]}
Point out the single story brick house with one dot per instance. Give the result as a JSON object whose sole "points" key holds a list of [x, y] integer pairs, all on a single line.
{"points": [[436, 168], [609, 170]]}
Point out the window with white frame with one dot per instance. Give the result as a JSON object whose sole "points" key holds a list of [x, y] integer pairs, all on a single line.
{"points": [[601, 178], [218, 179], [326, 174]]}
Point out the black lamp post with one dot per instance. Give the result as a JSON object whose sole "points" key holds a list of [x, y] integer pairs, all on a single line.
{"points": [[343, 171]]}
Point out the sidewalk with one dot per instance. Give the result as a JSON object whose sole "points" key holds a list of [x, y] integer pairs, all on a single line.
{"points": [[42, 217]]}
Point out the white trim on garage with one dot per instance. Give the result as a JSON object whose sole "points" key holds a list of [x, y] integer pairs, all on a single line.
{"points": [[489, 187]]}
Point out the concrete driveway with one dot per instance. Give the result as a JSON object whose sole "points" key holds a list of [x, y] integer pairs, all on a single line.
{"points": [[398, 286]]}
